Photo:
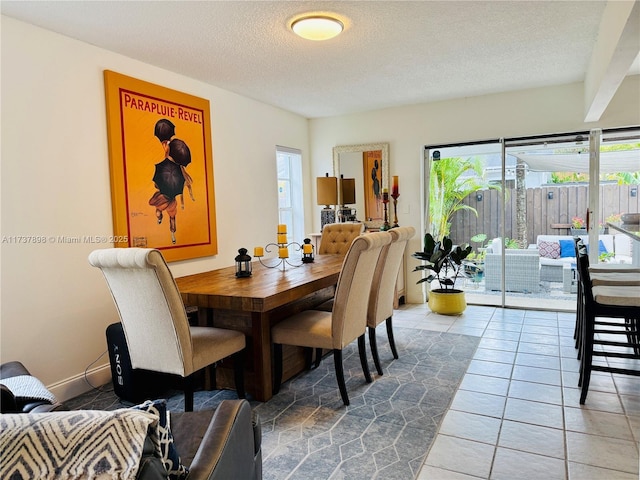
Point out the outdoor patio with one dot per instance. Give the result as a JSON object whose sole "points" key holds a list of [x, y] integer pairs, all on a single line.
{"points": [[553, 295]]}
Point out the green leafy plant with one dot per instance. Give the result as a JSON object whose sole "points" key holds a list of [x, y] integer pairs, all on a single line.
{"points": [[443, 261], [450, 182], [478, 255], [606, 256], [511, 243]]}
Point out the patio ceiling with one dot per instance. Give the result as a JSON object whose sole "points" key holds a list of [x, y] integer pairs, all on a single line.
{"points": [[625, 161]]}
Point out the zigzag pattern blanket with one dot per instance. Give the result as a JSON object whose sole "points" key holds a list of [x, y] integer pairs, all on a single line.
{"points": [[78, 444]]}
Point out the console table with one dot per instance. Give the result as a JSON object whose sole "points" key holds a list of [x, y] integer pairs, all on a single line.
{"points": [[253, 305]]}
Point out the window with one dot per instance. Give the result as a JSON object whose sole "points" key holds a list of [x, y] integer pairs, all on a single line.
{"points": [[290, 205]]}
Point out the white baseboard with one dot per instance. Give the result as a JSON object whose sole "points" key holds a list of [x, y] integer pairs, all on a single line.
{"points": [[77, 385]]}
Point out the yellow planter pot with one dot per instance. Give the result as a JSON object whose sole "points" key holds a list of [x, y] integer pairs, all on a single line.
{"points": [[451, 303]]}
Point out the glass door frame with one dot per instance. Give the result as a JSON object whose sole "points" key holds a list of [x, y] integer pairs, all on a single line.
{"points": [[594, 136]]}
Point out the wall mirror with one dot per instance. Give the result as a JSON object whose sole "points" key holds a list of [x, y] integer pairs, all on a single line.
{"points": [[368, 164]]}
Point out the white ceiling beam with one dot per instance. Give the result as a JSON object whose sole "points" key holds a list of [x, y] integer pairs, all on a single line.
{"points": [[616, 48]]}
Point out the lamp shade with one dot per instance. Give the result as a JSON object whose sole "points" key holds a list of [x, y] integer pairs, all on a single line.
{"points": [[327, 190], [347, 191]]}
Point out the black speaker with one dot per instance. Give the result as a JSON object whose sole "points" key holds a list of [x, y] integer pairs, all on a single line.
{"points": [[129, 384]]}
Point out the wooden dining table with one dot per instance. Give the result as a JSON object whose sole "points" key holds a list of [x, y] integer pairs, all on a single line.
{"points": [[252, 305]]}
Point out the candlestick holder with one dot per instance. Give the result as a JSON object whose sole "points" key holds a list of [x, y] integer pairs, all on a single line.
{"points": [[281, 261], [385, 202], [395, 196]]}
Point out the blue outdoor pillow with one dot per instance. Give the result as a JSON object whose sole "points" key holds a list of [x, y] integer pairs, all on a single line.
{"points": [[601, 248], [567, 248]]}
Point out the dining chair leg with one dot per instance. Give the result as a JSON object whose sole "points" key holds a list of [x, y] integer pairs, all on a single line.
{"points": [[374, 349], [337, 360], [362, 350], [238, 370], [188, 393], [308, 357], [587, 357], [392, 341], [277, 360], [318, 357]]}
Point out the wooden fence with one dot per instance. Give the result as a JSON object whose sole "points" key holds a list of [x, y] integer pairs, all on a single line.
{"points": [[549, 210]]}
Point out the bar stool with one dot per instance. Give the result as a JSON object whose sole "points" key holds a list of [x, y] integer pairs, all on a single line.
{"points": [[611, 302], [601, 275]]}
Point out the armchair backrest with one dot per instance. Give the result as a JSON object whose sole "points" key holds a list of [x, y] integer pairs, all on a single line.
{"points": [[337, 237], [383, 287], [349, 315], [150, 308]]}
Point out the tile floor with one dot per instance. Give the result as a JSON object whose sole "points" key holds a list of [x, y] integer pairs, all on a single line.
{"points": [[517, 415]]}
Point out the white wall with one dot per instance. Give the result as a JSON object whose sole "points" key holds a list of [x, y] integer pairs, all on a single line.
{"points": [[408, 129], [55, 181]]}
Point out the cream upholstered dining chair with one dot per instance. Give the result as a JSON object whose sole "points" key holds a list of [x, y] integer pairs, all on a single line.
{"points": [[383, 289], [155, 322], [346, 322], [337, 237]]}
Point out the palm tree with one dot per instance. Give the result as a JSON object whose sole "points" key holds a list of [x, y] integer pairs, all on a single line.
{"points": [[448, 187]]}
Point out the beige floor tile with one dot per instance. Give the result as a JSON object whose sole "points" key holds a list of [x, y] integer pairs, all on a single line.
{"points": [[434, 473], [601, 401], [532, 439], [479, 403], [537, 375], [484, 384], [541, 330], [466, 330], [535, 413], [602, 452], [579, 471], [501, 334], [497, 344], [491, 369], [504, 326], [538, 348], [541, 400], [534, 360], [597, 423], [462, 456], [517, 465], [495, 355], [470, 426], [535, 392]]}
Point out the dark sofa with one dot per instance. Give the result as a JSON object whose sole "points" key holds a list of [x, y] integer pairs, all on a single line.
{"points": [[214, 445]]}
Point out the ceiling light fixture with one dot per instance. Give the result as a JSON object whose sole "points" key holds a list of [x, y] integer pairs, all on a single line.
{"points": [[317, 27]]}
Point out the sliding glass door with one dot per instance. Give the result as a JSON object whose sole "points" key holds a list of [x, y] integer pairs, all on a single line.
{"points": [[519, 202]]}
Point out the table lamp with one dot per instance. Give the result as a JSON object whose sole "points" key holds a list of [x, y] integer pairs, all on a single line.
{"points": [[327, 195], [347, 197]]}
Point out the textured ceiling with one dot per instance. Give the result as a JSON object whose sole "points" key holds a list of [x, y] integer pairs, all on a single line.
{"points": [[391, 53]]}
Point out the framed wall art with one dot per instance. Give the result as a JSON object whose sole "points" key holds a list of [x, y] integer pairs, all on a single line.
{"points": [[161, 164]]}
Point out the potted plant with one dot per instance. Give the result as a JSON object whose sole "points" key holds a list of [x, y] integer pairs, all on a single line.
{"points": [[579, 227], [474, 264], [444, 263]]}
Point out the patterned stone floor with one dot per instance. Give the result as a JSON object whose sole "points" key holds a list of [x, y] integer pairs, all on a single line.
{"points": [[385, 432]]}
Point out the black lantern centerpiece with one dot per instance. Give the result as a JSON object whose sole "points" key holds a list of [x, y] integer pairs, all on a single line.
{"points": [[307, 251], [243, 264]]}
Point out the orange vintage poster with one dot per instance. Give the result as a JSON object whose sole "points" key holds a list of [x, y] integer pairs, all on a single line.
{"points": [[161, 168]]}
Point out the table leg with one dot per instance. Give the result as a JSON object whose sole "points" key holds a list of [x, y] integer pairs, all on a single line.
{"points": [[261, 343]]}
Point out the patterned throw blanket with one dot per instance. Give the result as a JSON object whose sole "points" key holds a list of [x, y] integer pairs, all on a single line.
{"points": [[26, 387], [86, 444]]}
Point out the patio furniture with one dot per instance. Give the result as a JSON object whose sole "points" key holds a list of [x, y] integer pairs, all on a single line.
{"points": [[522, 271]]}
